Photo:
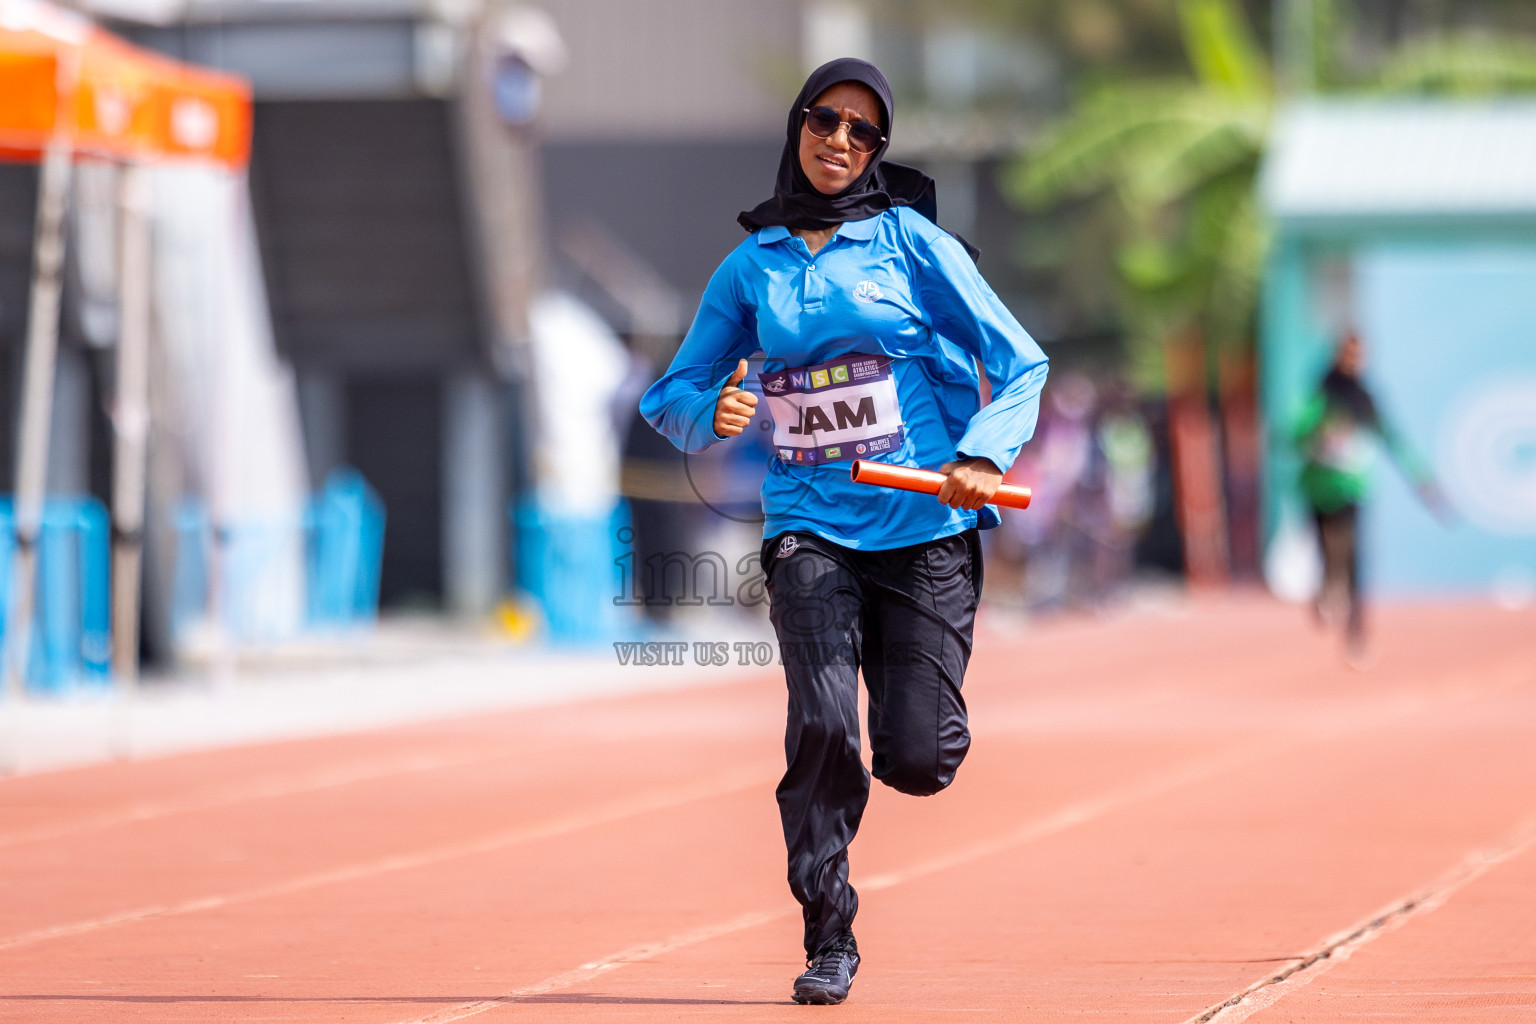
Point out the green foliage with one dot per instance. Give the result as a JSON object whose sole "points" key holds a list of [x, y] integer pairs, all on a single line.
{"points": [[1221, 49], [1170, 163], [1468, 65], [1175, 159]]}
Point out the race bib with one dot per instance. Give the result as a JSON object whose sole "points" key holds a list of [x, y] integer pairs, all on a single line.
{"points": [[843, 409], [1344, 446]]}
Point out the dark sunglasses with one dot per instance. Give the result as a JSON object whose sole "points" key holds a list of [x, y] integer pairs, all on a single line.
{"points": [[823, 123]]}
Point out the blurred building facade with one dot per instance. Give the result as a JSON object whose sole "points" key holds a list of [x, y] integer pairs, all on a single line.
{"points": [[381, 297]]}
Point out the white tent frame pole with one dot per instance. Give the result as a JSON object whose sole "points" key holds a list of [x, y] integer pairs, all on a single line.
{"points": [[37, 404], [130, 420]]}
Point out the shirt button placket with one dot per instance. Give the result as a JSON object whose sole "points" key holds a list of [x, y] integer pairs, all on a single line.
{"points": [[815, 286]]}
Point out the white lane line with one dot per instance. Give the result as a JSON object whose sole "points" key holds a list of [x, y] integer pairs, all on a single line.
{"points": [[632, 955], [1031, 716], [1032, 831], [1085, 811], [1402, 706], [619, 810], [1334, 950], [330, 778]]}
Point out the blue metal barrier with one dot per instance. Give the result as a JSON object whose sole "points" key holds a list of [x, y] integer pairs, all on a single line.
{"points": [[248, 554], [71, 642], [343, 546], [189, 584], [570, 565]]}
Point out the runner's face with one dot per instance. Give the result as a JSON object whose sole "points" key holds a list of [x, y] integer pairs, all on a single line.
{"points": [[831, 164]]}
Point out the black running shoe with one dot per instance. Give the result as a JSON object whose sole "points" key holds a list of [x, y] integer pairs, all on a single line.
{"points": [[829, 973]]}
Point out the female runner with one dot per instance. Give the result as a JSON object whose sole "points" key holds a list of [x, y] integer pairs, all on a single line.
{"points": [[872, 320]]}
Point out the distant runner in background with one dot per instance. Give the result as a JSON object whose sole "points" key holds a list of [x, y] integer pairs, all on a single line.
{"points": [[1338, 434]]}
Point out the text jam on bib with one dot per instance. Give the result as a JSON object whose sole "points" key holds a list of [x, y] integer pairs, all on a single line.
{"points": [[843, 409]]}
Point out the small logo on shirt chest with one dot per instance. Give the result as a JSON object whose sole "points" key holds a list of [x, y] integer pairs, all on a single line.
{"points": [[867, 291]]}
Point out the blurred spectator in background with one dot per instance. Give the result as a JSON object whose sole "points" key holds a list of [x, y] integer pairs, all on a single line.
{"points": [[1339, 433], [1126, 461], [1054, 543], [1091, 468]]}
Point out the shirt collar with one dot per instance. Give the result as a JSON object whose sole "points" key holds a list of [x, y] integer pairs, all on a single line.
{"points": [[853, 231], [859, 230]]}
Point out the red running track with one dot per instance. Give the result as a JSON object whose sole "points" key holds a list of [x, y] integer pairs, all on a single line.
{"points": [[1164, 818]]}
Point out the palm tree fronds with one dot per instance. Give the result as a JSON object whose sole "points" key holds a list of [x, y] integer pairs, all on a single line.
{"points": [[1116, 133], [1230, 139], [1221, 49]]}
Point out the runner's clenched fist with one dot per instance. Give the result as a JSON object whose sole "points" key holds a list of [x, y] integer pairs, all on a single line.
{"points": [[971, 483]]}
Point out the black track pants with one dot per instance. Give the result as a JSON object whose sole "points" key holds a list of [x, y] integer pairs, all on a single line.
{"points": [[1339, 535], [905, 617]]}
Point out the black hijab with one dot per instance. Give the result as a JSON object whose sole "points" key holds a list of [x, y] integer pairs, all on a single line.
{"points": [[797, 204]]}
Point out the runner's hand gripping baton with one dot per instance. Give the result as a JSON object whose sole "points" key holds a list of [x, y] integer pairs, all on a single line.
{"points": [[926, 481]]}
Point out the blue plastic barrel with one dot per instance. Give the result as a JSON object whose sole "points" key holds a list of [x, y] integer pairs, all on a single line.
{"points": [[570, 565], [344, 526], [71, 638]]}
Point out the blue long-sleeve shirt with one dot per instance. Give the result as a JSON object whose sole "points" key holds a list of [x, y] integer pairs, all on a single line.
{"points": [[894, 286]]}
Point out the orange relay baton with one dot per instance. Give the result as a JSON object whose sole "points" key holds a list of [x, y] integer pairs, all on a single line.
{"points": [[925, 481]]}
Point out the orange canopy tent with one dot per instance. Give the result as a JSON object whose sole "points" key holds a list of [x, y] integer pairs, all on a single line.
{"points": [[70, 90], [63, 77]]}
